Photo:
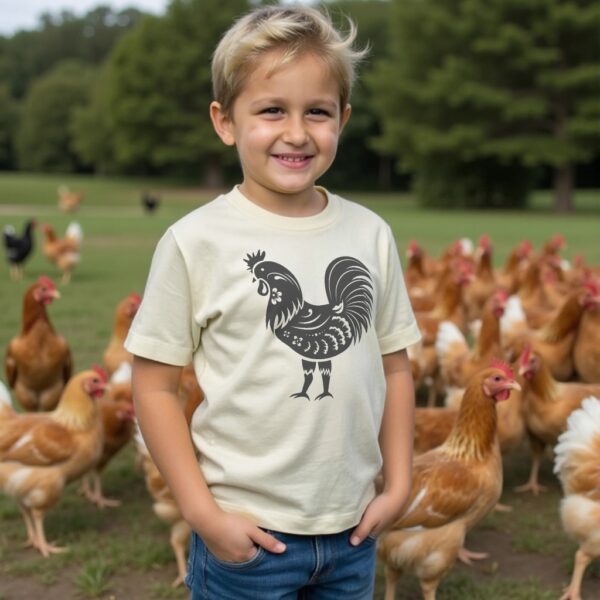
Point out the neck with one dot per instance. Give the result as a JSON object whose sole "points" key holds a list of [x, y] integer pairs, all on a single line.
{"points": [[543, 384], [33, 311], [75, 409], [307, 203], [474, 433], [564, 321], [489, 336]]}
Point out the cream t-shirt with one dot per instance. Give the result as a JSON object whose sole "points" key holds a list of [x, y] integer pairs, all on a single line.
{"points": [[285, 320]]}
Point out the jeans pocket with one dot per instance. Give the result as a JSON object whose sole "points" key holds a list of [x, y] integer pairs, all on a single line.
{"points": [[371, 539], [189, 578], [239, 566]]}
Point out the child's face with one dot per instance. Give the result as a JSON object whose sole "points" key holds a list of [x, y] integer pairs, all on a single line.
{"points": [[285, 125]]}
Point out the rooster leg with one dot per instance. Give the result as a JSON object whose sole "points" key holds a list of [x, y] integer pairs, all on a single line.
{"points": [[180, 535], [309, 368], [573, 592], [532, 484], [391, 579], [42, 544], [31, 538], [428, 588], [325, 370], [467, 557]]}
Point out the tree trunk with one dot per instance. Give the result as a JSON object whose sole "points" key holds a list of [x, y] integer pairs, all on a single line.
{"points": [[563, 188], [213, 174]]}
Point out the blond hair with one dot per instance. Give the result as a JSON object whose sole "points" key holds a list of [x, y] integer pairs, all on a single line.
{"points": [[296, 30]]}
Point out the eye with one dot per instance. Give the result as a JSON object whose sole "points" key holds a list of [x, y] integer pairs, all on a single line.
{"points": [[271, 110], [497, 378], [319, 112]]}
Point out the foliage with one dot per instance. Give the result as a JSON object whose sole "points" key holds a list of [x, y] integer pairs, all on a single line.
{"points": [[9, 116], [510, 82], [160, 89], [91, 130], [43, 138], [29, 54]]}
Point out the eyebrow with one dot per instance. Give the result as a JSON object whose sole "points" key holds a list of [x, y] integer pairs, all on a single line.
{"points": [[268, 100]]}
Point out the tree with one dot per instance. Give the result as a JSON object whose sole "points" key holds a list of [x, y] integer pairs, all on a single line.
{"points": [[509, 85], [90, 128], [160, 90], [43, 137], [9, 118]]}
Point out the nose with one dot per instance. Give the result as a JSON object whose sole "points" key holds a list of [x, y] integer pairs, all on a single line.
{"points": [[295, 131]]}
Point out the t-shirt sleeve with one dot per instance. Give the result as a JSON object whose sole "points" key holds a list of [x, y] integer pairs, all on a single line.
{"points": [[395, 322], [164, 329]]}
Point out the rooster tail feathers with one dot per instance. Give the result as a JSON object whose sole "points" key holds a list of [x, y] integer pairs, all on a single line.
{"points": [[349, 289], [583, 427], [74, 231]]}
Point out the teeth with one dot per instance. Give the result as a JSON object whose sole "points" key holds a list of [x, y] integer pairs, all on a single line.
{"points": [[293, 158]]}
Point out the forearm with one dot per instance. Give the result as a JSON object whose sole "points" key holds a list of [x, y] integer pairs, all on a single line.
{"points": [[166, 433], [397, 428]]}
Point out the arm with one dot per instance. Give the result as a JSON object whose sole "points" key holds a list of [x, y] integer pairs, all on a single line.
{"points": [[166, 433], [396, 443]]}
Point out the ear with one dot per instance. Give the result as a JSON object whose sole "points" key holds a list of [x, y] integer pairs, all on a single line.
{"points": [[222, 123], [345, 116]]}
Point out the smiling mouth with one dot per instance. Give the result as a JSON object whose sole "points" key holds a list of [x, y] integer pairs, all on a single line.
{"points": [[292, 159]]}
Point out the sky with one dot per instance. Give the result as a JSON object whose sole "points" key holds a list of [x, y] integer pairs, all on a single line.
{"points": [[23, 14]]}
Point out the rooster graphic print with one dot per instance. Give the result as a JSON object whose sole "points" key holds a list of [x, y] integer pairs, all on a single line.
{"points": [[316, 332]]}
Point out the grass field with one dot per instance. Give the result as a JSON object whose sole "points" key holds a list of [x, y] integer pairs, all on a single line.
{"points": [[124, 552]]}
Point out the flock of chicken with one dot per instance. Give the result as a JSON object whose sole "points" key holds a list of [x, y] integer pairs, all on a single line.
{"points": [[509, 351]]}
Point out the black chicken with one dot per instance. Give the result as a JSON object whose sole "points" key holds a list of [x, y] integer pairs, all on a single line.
{"points": [[18, 248], [150, 201], [317, 333]]}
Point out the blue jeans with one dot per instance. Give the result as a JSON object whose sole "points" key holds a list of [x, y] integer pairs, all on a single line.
{"points": [[321, 567]]}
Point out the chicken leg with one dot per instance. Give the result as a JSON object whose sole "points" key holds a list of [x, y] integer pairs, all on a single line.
{"points": [[180, 535], [309, 368], [533, 485], [45, 547], [391, 579], [325, 370], [573, 592]]}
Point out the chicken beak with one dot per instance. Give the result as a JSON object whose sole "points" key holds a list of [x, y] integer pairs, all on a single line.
{"points": [[54, 294], [514, 385]]}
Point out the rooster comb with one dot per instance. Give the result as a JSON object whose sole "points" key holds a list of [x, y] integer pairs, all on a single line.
{"points": [[46, 281], [135, 297], [525, 355], [100, 372], [592, 286], [496, 363], [254, 259]]}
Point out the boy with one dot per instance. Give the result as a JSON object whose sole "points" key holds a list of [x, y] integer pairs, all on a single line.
{"points": [[296, 327]]}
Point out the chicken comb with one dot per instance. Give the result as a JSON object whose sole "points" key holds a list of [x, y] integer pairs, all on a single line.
{"points": [[525, 248], [496, 363], [413, 248], [254, 259], [592, 286], [136, 297], [525, 355], [100, 372], [502, 294], [484, 241], [558, 241], [46, 282]]}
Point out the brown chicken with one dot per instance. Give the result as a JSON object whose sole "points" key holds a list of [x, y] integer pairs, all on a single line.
{"points": [[115, 354], [484, 282], [458, 362], [577, 464], [118, 424], [556, 340], [65, 252], [38, 361], [586, 351], [511, 274], [453, 487], [69, 201], [547, 404], [41, 453], [165, 506]]}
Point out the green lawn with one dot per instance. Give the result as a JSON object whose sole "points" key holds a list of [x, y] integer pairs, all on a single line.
{"points": [[118, 242]]}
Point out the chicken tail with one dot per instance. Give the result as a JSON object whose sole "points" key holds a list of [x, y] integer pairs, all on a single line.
{"points": [[349, 289], [74, 232], [450, 340], [579, 444]]}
